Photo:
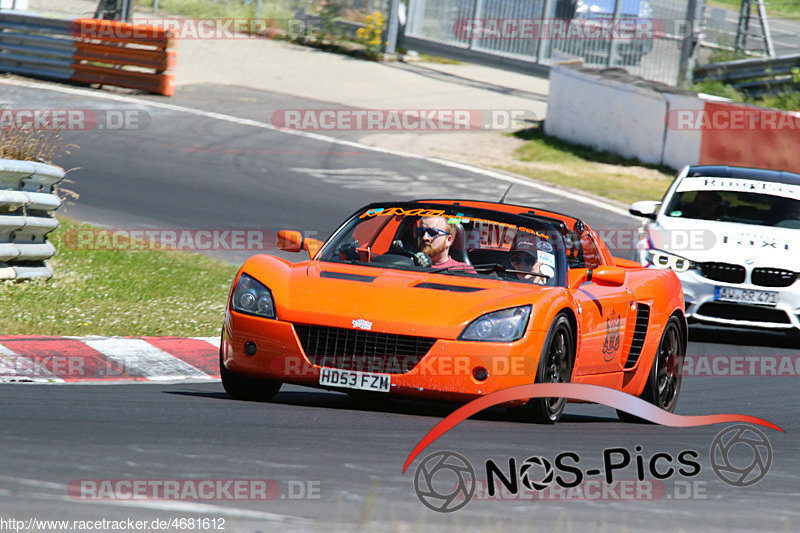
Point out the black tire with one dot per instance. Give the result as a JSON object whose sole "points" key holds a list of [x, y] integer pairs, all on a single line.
{"points": [[664, 381], [555, 366], [247, 388]]}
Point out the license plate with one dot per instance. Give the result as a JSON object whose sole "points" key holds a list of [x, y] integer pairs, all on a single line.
{"points": [[352, 379], [745, 296]]}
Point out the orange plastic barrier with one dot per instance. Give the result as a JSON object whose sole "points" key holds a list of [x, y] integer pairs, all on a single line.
{"points": [[125, 55]]}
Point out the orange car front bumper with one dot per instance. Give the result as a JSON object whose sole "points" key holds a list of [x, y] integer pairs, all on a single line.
{"points": [[446, 372]]}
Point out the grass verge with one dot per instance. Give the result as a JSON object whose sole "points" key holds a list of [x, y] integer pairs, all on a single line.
{"points": [[788, 100], [113, 292], [775, 8], [212, 9], [605, 174]]}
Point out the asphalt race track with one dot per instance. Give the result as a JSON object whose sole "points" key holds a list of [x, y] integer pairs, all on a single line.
{"points": [[338, 462]]}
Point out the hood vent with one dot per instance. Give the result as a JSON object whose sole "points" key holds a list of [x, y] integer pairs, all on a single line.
{"points": [[345, 275], [451, 288]]}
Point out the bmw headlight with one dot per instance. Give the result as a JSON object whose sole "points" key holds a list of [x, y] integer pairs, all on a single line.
{"points": [[661, 259], [501, 326], [252, 297]]}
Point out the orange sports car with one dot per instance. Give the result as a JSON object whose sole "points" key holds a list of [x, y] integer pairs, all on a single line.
{"points": [[450, 300]]}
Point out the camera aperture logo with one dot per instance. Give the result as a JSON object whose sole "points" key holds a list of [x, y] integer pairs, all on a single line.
{"points": [[726, 455], [446, 481]]}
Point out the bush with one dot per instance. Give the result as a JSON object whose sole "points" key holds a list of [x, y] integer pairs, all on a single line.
{"points": [[371, 34]]}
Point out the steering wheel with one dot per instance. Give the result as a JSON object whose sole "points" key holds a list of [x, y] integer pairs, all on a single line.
{"points": [[420, 258]]}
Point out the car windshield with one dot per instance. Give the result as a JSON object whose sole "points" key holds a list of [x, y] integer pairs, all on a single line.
{"points": [[451, 240], [741, 201]]}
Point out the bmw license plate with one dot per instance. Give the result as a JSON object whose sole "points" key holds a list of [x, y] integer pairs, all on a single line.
{"points": [[745, 296], [352, 379]]}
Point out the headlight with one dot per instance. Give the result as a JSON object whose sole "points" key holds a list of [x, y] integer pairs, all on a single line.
{"points": [[501, 326], [253, 298], [662, 259]]}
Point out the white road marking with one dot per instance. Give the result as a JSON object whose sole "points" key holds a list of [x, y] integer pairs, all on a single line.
{"points": [[324, 138], [214, 341], [173, 506], [142, 358]]}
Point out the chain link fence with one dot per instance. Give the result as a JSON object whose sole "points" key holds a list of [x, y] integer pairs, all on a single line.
{"points": [[644, 36]]}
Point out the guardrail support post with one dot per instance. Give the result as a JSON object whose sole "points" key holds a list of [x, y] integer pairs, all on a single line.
{"points": [[548, 16], [390, 46], [477, 14], [689, 44], [612, 45]]}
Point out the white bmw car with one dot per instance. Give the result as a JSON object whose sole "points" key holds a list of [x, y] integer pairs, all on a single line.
{"points": [[733, 237]]}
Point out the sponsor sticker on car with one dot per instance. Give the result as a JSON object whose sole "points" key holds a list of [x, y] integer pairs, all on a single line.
{"points": [[352, 379], [745, 296]]}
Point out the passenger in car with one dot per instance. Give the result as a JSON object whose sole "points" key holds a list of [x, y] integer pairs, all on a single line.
{"points": [[528, 256]]}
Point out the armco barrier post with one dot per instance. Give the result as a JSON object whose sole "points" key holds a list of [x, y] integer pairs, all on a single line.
{"points": [[27, 187]]}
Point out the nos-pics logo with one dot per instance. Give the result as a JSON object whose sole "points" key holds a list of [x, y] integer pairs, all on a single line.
{"points": [[445, 481]]}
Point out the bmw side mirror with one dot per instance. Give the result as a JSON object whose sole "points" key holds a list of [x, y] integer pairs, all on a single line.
{"points": [[645, 209]]}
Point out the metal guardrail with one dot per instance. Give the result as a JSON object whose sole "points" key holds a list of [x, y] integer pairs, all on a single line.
{"points": [[88, 51], [757, 76], [26, 206]]}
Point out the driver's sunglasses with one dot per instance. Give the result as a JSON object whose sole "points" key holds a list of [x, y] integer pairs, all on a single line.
{"points": [[432, 232], [523, 260]]}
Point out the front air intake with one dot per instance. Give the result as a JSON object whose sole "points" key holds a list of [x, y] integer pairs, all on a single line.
{"points": [[365, 351]]}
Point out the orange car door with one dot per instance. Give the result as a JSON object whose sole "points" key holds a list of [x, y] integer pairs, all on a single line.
{"points": [[605, 319]]}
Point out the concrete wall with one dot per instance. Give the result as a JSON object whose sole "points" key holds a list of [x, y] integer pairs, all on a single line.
{"points": [[661, 125], [682, 136], [606, 115]]}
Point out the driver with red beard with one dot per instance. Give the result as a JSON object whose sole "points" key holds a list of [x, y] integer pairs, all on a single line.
{"points": [[435, 236]]}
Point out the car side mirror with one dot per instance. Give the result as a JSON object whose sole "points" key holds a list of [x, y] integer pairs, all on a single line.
{"points": [[293, 241], [313, 246], [604, 275], [609, 275], [290, 241], [645, 209]]}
